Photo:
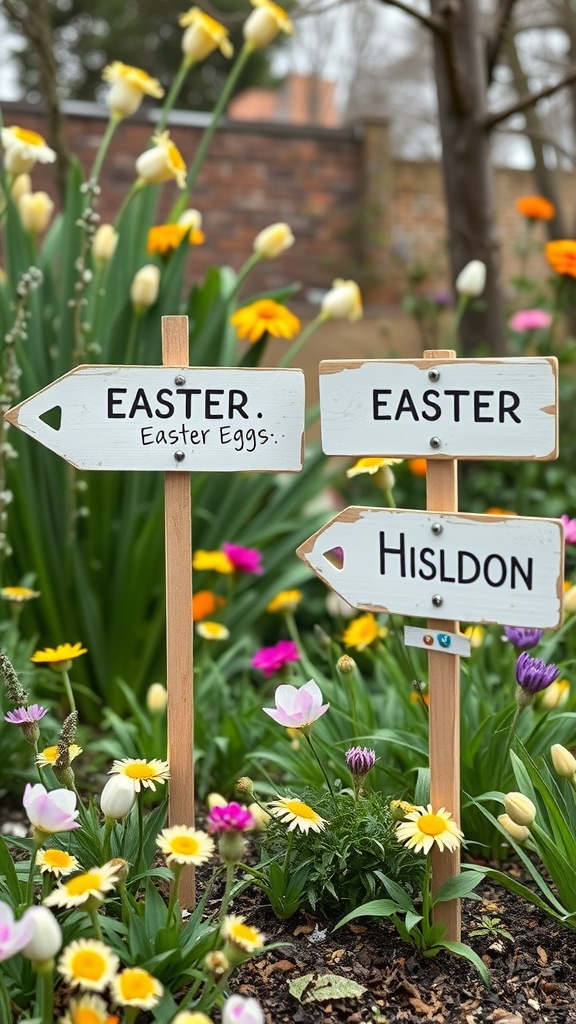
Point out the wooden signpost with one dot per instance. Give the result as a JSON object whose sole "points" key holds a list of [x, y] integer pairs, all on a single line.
{"points": [[438, 564], [176, 419]]}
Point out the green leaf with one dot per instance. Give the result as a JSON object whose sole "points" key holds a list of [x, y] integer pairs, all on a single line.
{"points": [[461, 949], [8, 871], [377, 908], [458, 886], [324, 988]]}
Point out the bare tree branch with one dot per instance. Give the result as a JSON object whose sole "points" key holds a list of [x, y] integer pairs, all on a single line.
{"points": [[528, 100], [431, 22], [494, 42]]}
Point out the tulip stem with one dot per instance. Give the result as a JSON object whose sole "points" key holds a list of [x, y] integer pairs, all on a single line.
{"points": [[45, 993], [243, 273], [108, 826], [172, 96], [132, 335], [461, 305], [5, 1007], [301, 340], [322, 769], [177, 871], [103, 148], [227, 890], [30, 886], [140, 833]]}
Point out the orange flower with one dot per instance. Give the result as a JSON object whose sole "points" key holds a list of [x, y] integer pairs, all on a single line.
{"points": [[494, 510], [417, 466], [561, 256], [265, 315], [535, 207], [205, 603], [164, 238]]}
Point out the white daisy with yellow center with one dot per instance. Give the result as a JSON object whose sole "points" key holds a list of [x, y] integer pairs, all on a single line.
{"points": [[136, 987], [423, 827], [371, 465], [47, 757], [297, 814], [23, 149], [89, 963], [183, 845], [88, 1009], [212, 631], [238, 933], [18, 595], [164, 162], [285, 601], [144, 774], [57, 862], [96, 882]]}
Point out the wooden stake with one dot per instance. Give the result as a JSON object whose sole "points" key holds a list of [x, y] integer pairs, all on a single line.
{"points": [[444, 695], [179, 656]]}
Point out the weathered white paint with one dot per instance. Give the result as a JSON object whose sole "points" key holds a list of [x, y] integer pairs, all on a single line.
{"points": [[457, 644], [394, 407], [139, 417], [484, 568]]}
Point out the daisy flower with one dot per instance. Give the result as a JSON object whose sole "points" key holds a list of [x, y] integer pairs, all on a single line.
{"points": [[88, 1009], [363, 631], [297, 814], [47, 757], [24, 148], [212, 561], [285, 601], [370, 465], [136, 987], [79, 889], [59, 656], [89, 963], [183, 845], [423, 827], [17, 595], [235, 931], [265, 316], [145, 774], [57, 862], [212, 630], [23, 716]]}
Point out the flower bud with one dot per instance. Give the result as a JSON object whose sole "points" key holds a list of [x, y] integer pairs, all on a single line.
{"points": [[343, 300], [263, 25], [570, 601], [564, 762], [191, 1017], [191, 219], [216, 963], [520, 808], [346, 665], [237, 1010], [231, 847], [35, 209], [156, 698], [145, 287], [245, 785], [121, 868], [555, 696], [104, 243], [118, 797], [22, 186], [273, 241], [215, 800], [518, 832], [471, 279], [46, 937], [261, 818]]}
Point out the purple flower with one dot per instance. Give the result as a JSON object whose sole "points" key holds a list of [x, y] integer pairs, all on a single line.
{"points": [[244, 559], [14, 935], [297, 707], [229, 818], [569, 529], [530, 320], [533, 674], [360, 760], [50, 812], [22, 716], [442, 297], [523, 638], [271, 659]]}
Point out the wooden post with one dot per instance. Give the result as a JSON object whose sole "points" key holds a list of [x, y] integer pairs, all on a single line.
{"points": [[444, 696], [179, 656]]}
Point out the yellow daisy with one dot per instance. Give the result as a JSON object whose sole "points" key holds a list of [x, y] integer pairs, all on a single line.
{"points": [[423, 827], [164, 238], [204, 34], [142, 772], [59, 656], [17, 595], [88, 1009], [475, 635], [57, 862], [136, 77], [285, 601], [370, 465], [184, 845], [298, 814], [212, 561], [363, 631], [400, 808], [235, 931], [79, 889], [47, 757], [163, 162], [212, 630], [89, 963], [136, 987], [264, 315]]}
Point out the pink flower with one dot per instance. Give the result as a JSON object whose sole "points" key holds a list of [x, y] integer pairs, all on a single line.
{"points": [[271, 659], [14, 935], [297, 708], [23, 715], [569, 529], [50, 812], [244, 559], [530, 320], [237, 1010], [229, 818]]}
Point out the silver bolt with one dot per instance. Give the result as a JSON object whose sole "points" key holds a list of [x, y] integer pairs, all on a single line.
{"points": [[434, 375], [435, 442], [180, 380], [437, 600], [436, 528], [179, 456]]}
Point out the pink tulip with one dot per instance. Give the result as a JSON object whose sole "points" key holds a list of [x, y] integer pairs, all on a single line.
{"points": [[50, 812], [297, 708], [14, 935], [569, 529], [530, 320]]}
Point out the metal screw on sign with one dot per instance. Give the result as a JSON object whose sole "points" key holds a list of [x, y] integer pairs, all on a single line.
{"points": [[180, 380], [179, 456], [437, 600], [435, 442], [434, 375], [436, 528]]}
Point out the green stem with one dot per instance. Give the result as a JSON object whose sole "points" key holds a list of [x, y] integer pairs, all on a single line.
{"points": [[508, 743], [6, 1011], [177, 871], [131, 1014], [30, 886], [172, 96], [426, 900], [93, 915], [461, 305], [301, 340], [103, 147], [45, 992], [136, 188], [322, 769], [108, 826], [133, 333], [206, 139], [140, 832], [227, 891], [68, 689], [243, 273]]}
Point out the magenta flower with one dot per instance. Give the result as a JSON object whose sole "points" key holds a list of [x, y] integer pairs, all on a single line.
{"points": [[50, 812], [271, 659], [229, 818], [14, 935], [21, 716], [297, 707], [530, 320], [569, 529], [244, 559]]}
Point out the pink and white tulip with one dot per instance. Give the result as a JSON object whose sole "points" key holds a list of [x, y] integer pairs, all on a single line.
{"points": [[50, 812], [14, 935], [297, 707]]}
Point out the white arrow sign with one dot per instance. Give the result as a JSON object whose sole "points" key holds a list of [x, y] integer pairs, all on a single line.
{"points": [[163, 418], [462, 408], [447, 566]]}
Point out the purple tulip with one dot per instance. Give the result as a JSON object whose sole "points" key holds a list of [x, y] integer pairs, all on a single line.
{"points": [[522, 637], [533, 674]]}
